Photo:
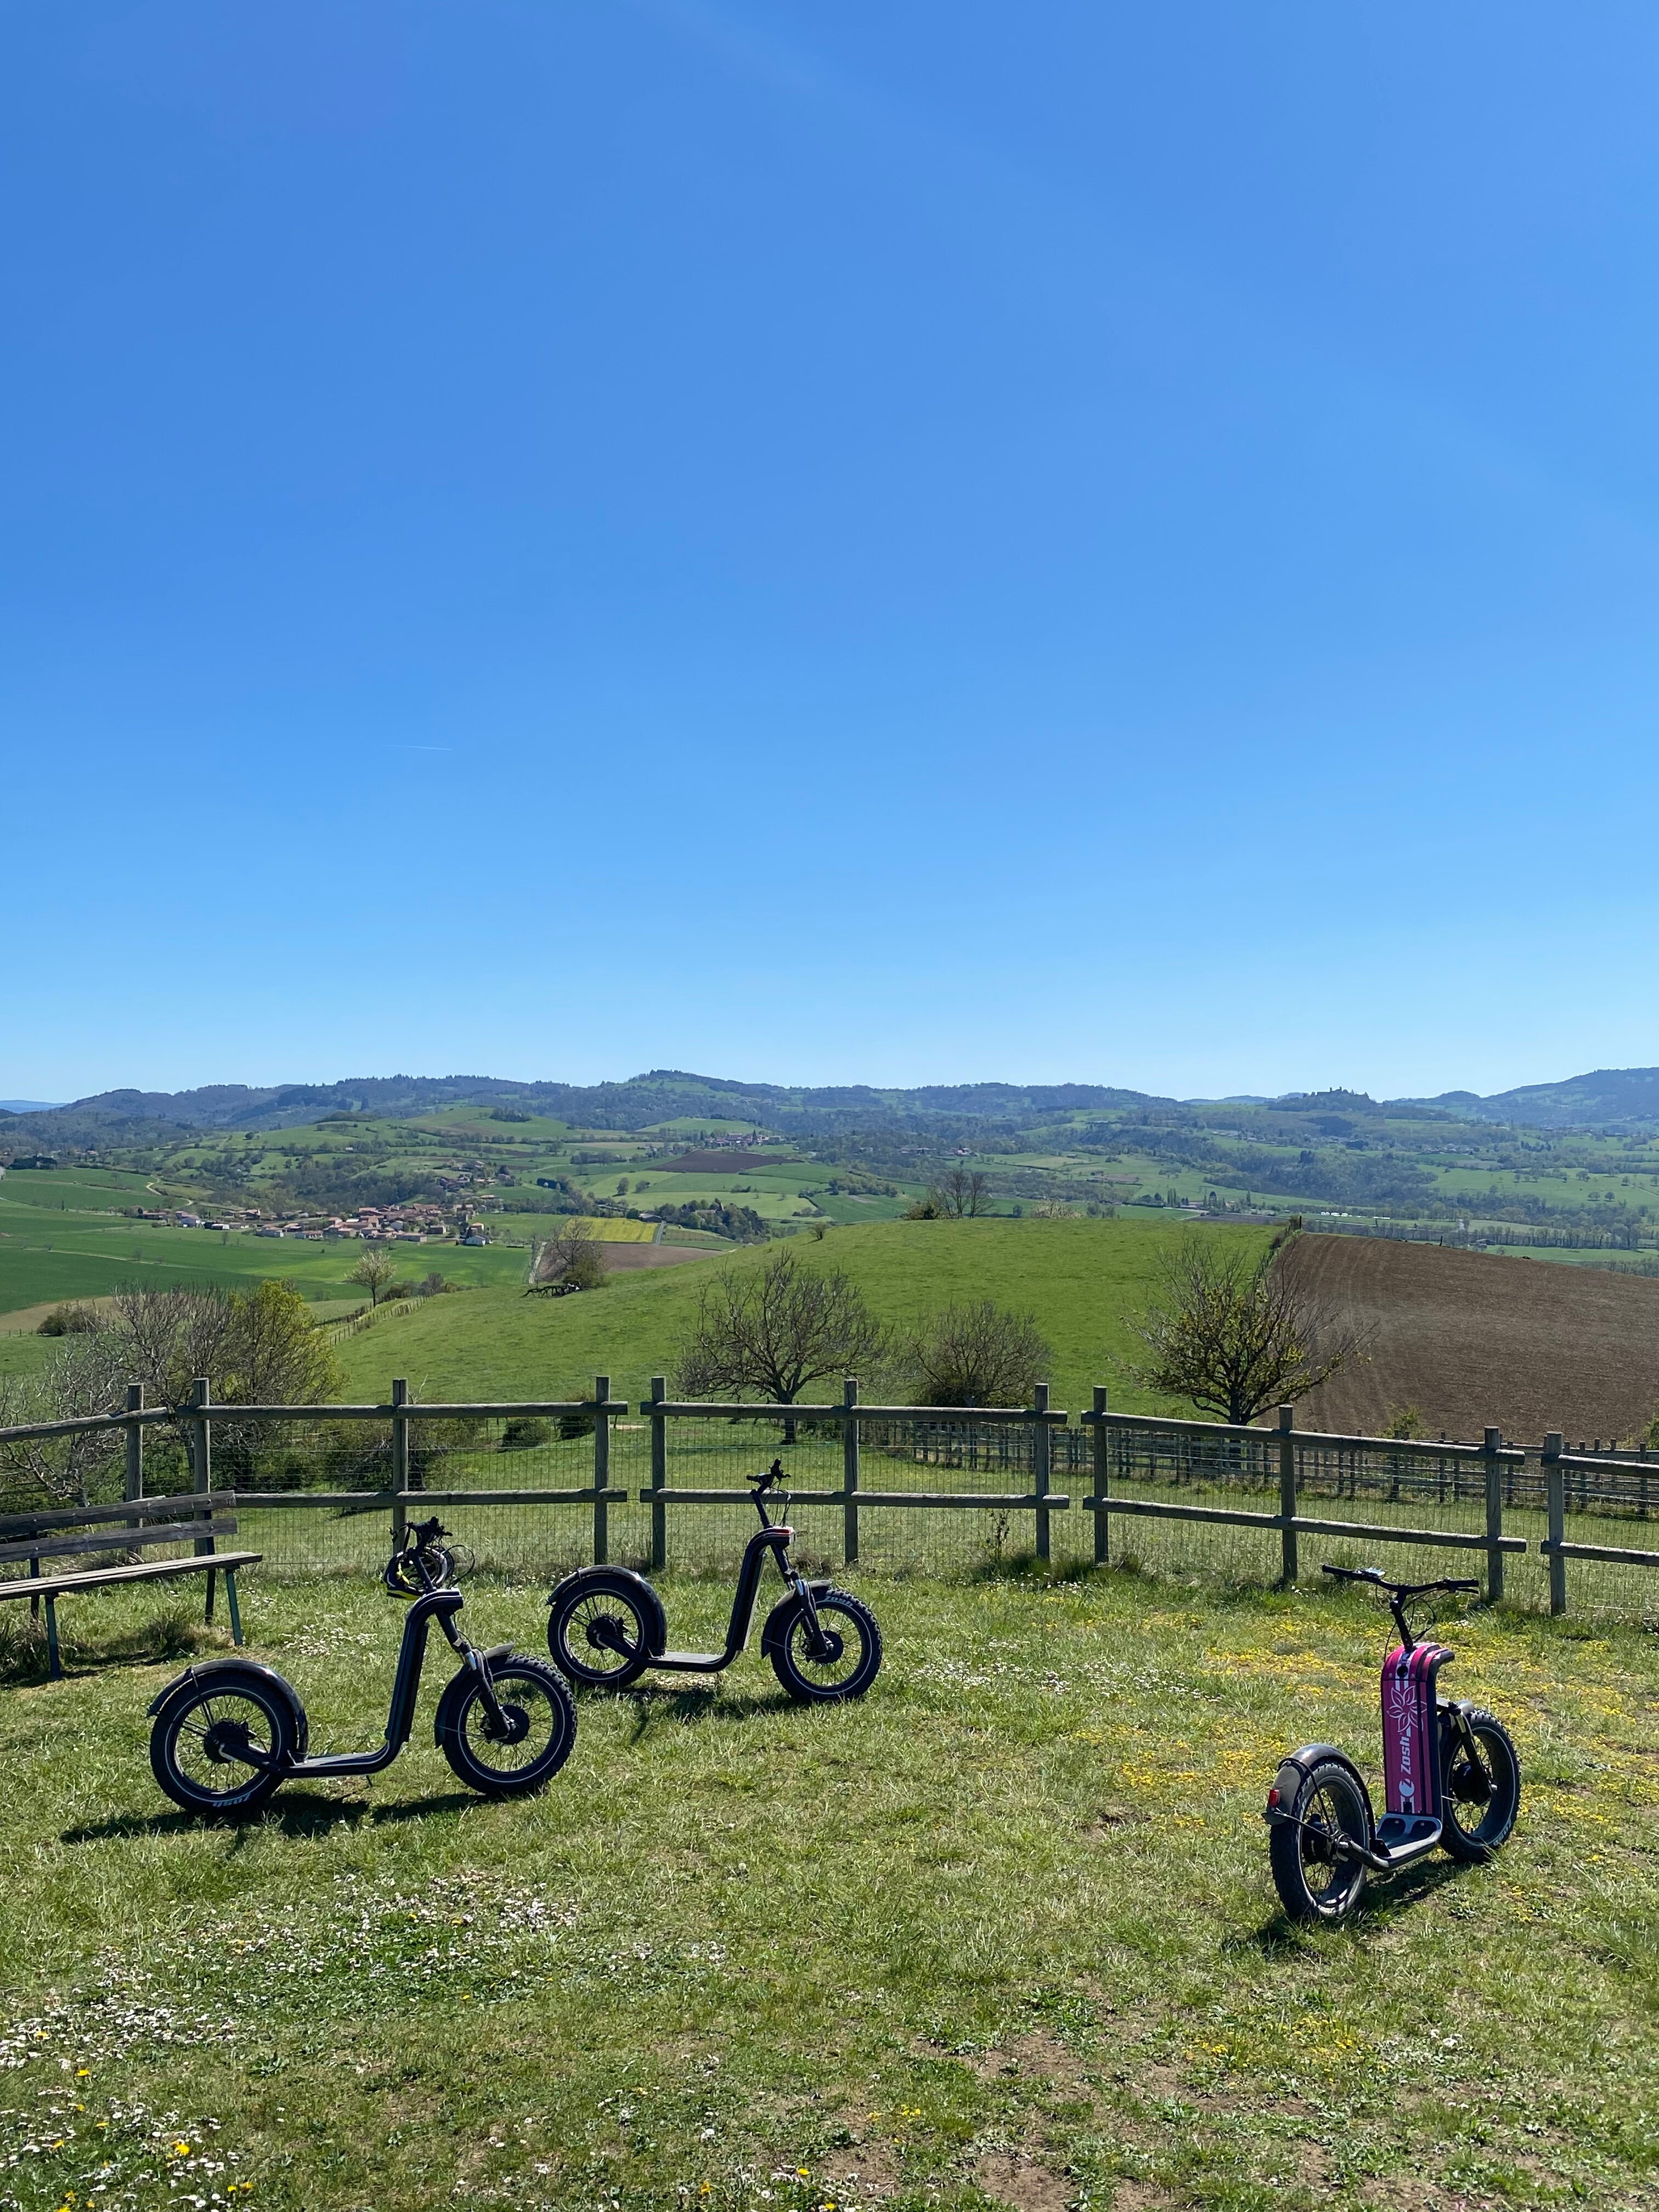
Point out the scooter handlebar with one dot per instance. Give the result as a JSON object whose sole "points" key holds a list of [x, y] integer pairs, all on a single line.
{"points": [[1400, 1589]]}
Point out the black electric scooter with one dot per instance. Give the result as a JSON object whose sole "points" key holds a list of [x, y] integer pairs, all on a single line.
{"points": [[228, 1733], [607, 1625]]}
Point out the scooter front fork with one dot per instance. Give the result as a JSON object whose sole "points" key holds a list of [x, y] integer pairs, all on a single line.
{"points": [[476, 1664], [817, 1643]]}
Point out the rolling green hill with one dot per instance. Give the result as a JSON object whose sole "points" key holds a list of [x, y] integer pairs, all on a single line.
{"points": [[1083, 1280]]}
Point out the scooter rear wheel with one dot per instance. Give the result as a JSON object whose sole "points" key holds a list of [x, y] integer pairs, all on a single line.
{"points": [[200, 1732], [540, 1727], [598, 1631], [1483, 1800], [1312, 1882]]}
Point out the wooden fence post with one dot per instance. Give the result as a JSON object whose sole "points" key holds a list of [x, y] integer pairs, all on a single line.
{"points": [[201, 1429], [135, 1483], [1555, 1489], [201, 1448], [1494, 1516], [1040, 1464], [399, 1458], [659, 1473], [601, 1470], [1098, 1445], [850, 1471], [1287, 1550]]}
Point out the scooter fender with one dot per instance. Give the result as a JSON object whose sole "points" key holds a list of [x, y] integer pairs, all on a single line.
{"points": [[1296, 1766], [603, 1578], [227, 1670]]}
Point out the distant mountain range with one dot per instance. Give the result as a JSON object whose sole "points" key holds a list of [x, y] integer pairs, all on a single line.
{"points": [[1609, 1098], [1615, 1098]]}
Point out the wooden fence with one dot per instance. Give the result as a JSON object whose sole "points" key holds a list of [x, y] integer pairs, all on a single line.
{"points": [[1190, 1480]]}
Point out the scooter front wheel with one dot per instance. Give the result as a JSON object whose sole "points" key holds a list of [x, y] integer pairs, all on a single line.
{"points": [[220, 1745], [1482, 1792], [1327, 1802], [526, 1746], [842, 1663]]}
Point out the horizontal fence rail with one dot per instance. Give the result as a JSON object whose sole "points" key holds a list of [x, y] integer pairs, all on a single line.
{"points": [[874, 1483]]}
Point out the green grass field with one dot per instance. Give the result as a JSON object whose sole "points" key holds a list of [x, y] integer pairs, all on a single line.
{"points": [[63, 1236], [1001, 1935], [1083, 1280]]}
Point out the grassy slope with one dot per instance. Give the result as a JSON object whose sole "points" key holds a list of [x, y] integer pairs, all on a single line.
{"points": [[1083, 1280], [54, 1255], [1003, 1933]]}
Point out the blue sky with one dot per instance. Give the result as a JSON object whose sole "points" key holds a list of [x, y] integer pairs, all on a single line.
{"points": [[903, 543]]}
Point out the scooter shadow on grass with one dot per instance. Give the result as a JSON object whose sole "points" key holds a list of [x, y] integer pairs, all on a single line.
{"points": [[1279, 1935], [296, 1816], [699, 1702]]}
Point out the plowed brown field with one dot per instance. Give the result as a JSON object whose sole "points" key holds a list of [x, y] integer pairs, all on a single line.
{"points": [[1472, 1338]]}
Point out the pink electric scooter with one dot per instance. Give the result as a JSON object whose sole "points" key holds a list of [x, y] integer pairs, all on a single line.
{"points": [[1451, 1773]]}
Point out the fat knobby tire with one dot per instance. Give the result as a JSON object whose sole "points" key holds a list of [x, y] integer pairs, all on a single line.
{"points": [[460, 1712], [1475, 1844]]}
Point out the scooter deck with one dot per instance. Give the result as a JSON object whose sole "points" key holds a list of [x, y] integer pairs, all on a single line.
{"points": [[692, 1662], [1402, 1837]]}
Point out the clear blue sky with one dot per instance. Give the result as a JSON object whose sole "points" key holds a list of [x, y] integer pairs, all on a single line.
{"points": [[894, 541]]}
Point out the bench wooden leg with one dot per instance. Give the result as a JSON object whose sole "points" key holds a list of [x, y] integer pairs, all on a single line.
{"points": [[54, 1670], [235, 1611], [211, 1578]]}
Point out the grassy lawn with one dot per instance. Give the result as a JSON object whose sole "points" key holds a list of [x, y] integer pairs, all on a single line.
{"points": [[1004, 1934], [1084, 1280]]}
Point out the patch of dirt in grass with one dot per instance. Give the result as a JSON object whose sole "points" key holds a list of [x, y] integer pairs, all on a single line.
{"points": [[868, 2170], [1113, 1820], [1023, 2182], [1141, 2197]]}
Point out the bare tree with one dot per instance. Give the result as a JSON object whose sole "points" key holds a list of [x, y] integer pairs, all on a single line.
{"points": [[373, 1273], [962, 1193], [575, 1256], [1235, 1335], [775, 1328], [257, 1349], [978, 1355], [169, 1337], [86, 1375]]}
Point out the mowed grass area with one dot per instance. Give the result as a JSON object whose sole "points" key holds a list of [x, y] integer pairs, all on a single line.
{"points": [[63, 1238], [1085, 1281], [1003, 1934]]}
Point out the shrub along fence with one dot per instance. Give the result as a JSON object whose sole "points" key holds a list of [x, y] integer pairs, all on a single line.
{"points": [[535, 1485]]}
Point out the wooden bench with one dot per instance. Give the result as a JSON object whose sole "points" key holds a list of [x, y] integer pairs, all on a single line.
{"points": [[142, 1525]]}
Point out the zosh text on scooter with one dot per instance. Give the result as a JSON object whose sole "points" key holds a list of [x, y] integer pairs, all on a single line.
{"points": [[606, 1626], [1451, 1776], [230, 1732]]}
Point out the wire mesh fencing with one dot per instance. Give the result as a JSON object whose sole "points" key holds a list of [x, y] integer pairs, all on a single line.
{"points": [[531, 1490]]}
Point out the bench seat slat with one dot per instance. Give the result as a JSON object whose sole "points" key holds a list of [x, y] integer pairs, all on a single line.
{"points": [[151, 1570]]}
